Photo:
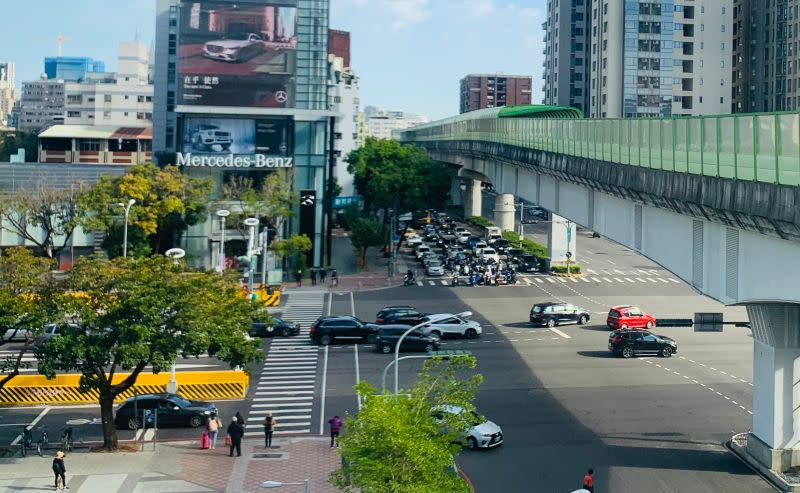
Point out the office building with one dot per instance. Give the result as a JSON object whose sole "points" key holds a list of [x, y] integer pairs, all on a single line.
{"points": [[226, 109], [339, 45], [381, 123], [344, 101], [41, 105], [122, 98], [644, 58], [480, 91], [71, 69], [7, 94]]}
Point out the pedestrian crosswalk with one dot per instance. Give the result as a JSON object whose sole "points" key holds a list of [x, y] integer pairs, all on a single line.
{"points": [[287, 382], [587, 278]]}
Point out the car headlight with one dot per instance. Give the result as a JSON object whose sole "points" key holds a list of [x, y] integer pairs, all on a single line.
{"points": [[206, 412]]}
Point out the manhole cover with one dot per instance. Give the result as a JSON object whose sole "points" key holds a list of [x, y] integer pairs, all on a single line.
{"points": [[267, 456]]}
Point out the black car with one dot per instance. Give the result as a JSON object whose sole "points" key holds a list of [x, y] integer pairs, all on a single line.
{"points": [[165, 409], [630, 343], [417, 340], [552, 314], [276, 327], [327, 330], [502, 246], [528, 263], [391, 314]]}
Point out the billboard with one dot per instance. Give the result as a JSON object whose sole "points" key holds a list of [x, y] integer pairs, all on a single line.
{"points": [[237, 54], [236, 142]]}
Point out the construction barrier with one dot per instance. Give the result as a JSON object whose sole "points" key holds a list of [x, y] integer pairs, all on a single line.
{"points": [[63, 389], [270, 296]]}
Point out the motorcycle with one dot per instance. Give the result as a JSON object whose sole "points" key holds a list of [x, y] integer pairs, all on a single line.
{"points": [[409, 281], [510, 276]]}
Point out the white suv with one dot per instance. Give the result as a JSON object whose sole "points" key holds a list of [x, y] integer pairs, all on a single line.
{"points": [[490, 253], [446, 324], [206, 136]]}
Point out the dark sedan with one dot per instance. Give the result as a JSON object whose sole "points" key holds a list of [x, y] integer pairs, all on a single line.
{"points": [[276, 327], [162, 410], [416, 340], [630, 343]]}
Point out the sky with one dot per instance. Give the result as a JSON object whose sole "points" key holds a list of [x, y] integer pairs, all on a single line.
{"points": [[408, 54]]}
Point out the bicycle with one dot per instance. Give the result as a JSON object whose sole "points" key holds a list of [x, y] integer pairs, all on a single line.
{"points": [[66, 440], [43, 442]]}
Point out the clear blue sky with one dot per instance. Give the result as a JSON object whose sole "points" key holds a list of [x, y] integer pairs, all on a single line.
{"points": [[409, 54]]}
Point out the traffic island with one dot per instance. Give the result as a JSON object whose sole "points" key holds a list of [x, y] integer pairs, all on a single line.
{"points": [[564, 274], [756, 454]]}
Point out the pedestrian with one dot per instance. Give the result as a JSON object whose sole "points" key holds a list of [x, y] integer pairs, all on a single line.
{"points": [[236, 432], [334, 278], [239, 418], [298, 278], [588, 481], [336, 426], [60, 470], [212, 426], [322, 274], [313, 275], [270, 424]]}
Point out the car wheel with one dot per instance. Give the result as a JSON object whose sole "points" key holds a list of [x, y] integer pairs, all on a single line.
{"points": [[551, 322], [649, 325], [437, 333], [134, 423], [195, 421], [325, 340], [471, 333], [666, 352], [429, 348], [283, 333], [472, 444], [386, 348], [371, 338], [627, 352], [582, 320]]}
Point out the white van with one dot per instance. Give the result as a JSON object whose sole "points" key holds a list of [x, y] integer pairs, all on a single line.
{"points": [[492, 231]]}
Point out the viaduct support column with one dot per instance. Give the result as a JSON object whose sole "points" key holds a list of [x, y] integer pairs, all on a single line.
{"points": [[504, 211], [472, 198], [775, 437]]}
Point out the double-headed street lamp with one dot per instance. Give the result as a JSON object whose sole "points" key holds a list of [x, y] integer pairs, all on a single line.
{"points": [[222, 214], [127, 208]]}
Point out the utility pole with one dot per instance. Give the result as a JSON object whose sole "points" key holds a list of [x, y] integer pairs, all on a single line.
{"points": [[329, 191]]}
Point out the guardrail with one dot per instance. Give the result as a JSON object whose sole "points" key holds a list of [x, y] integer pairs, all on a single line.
{"points": [[63, 389]]}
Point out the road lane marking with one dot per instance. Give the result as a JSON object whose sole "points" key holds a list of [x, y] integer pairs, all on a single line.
{"points": [[33, 423], [324, 384], [607, 279], [358, 370], [419, 283], [662, 280], [584, 279], [674, 280], [595, 279], [652, 280], [558, 332], [539, 280], [630, 280], [550, 279], [641, 280]]}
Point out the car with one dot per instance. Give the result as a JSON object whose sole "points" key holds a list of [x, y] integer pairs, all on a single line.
{"points": [[234, 47], [328, 330], [528, 263], [435, 268], [53, 330], [552, 314], [18, 334], [167, 409], [416, 340], [464, 236], [446, 324], [413, 240], [489, 253], [204, 137], [472, 241], [492, 238], [501, 246], [634, 342], [629, 317], [429, 257], [478, 246], [421, 251], [276, 327], [482, 434], [460, 229], [389, 314]]}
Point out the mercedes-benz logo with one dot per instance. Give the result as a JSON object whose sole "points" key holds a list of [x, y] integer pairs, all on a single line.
{"points": [[280, 96]]}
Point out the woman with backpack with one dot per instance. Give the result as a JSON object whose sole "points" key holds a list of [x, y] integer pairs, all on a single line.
{"points": [[212, 426]]}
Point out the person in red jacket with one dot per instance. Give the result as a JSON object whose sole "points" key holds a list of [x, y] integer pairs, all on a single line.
{"points": [[336, 426], [588, 481]]}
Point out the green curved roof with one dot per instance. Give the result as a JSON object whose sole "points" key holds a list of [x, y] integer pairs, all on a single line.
{"points": [[538, 111]]}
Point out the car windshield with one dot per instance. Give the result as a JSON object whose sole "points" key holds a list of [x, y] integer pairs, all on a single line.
{"points": [[537, 309], [435, 263], [276, 321], [238, 36], [180, 401]]}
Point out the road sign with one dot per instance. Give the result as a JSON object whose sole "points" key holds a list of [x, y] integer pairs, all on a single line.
{"points": [[341, 202]]}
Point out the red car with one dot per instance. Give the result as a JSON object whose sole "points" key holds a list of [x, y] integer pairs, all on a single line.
{"points": [[629, 317]]}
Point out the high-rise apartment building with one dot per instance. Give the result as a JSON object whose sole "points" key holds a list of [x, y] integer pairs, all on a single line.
{"points": [[344, 101], [644, 58], [41, 105], [566, 55], [480, 91], [70, 68], [381, 123], [7, 95]]}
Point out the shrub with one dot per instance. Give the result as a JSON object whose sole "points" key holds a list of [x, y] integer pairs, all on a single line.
{"points": [[530, 247], [480, 221], [562, 269]]}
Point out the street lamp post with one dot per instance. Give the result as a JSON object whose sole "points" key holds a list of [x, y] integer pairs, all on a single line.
{"points": [[222, 214], [175, 254], [278, 484], [127, 209], [252, 223]]}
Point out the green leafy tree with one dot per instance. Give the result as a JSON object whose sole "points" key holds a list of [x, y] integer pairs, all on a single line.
{"points": [[25, 304], [167, 202], [134, 313], [10, 143], [271, 202], [394, 444], [366, 233], [293, 249]]}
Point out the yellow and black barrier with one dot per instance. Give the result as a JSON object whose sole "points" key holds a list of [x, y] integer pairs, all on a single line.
{"points": [[31, 390], [269, 296]]}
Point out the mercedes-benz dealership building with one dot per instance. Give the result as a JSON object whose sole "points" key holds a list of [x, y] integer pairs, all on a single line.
{"points": [[240, 89]]}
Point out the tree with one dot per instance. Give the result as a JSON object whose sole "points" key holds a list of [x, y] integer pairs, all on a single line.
{"points": [[395, 445], [11, 143], [295, 247], [134, 313], [271, 202], [365, 233], [25, 304], [167, 202]]}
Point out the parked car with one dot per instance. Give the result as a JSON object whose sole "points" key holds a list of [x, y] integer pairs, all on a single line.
{"points": [[392, 313], [446, 324], [435, 268], [53, 330], [416, 340], [489, 253], [234, 47], [276, 327], [327, 330], [629, 317], [552, 314], [170, 409], [630, 343], [205, 136], [422, 250], [483, 434]]}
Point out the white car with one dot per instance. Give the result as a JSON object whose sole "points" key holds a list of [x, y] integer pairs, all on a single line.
{"points": [[482, 434], [463, 237], [446, 324], [413, 240], [490, 253], [234, 47], [422, 250], [435, 268], [492, 238], [480, 245], [206, 136], [460, 229]]}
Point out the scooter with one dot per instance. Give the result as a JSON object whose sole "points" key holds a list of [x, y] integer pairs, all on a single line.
{"points": [[409, 281], [510, 276]]}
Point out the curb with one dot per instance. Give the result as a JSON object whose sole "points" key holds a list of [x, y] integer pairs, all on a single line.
{"points": [[467, 479], [556, 274], [770, 477]]}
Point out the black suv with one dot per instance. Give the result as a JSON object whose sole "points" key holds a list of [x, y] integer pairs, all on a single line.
{"points": [[552, 314], [327, 330], [528, 263], [391, 314], [276, 327], [162, 410], [417, 340], [630, 343]]}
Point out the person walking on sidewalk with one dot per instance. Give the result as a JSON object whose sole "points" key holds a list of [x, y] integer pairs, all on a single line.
{"points": [[334, 278], [322, 274], [588, 481], [270, 424], [298, 278], [60, 470], [313, 275], [236, 432], [212, 426], [336, 426]]}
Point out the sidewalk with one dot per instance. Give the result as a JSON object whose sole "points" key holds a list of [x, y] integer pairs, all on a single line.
{"points": [[182, 467]]}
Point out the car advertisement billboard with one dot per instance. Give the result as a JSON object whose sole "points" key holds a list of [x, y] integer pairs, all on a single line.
{"points": [[237, 54], [237, 142]]}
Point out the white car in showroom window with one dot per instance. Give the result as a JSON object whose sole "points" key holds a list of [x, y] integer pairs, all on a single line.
{"points": [[446, 324], [234, 47]]}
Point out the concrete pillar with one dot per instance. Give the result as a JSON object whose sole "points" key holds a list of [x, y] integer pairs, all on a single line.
{"points": [[562, 238], [776, 371], [472, 198], [504, 211], [456, 195]]}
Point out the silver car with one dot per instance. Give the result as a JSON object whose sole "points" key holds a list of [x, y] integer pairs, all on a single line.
{"points": [[483, 434], [435, 268]]}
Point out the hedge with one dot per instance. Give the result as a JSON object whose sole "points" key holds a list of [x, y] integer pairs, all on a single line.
{"points": [[480, 221], [528, 246], [562, 269]]}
